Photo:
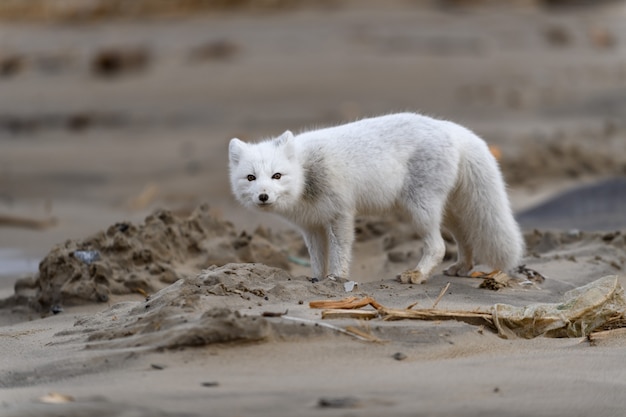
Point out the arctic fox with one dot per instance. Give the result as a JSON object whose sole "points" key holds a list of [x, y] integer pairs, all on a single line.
{"points": [[440, 173]]}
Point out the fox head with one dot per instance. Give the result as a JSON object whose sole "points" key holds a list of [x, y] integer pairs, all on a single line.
{"points": [[266, 175]]}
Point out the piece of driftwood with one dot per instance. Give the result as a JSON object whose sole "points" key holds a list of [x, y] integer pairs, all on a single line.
{"points": [[339, 313], [8, 220], [477, 318], [346, 308], [595, 307], [345, 303], [606, 336]]}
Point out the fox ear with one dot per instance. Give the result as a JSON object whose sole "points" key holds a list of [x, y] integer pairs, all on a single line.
{"points": [[235, 149], [284, 138], [286, 142]]}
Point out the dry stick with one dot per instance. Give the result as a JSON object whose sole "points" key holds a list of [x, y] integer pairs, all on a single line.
{"points": [[471, 317], [340, 313], [345, 303], [440, 296]]}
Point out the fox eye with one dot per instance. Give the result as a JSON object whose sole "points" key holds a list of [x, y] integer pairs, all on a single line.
{"points": [[276, 176], [251, 178]]}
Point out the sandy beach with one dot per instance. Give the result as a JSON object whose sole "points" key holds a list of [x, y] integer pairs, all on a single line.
{"points": [[133, 284]]}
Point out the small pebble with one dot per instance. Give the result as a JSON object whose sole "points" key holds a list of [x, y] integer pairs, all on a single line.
{"points": [[210, 384], [157, 366], [399, 356]]}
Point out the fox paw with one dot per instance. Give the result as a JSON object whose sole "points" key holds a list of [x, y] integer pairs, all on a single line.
{"points": [[458, 270], [412, 277]]}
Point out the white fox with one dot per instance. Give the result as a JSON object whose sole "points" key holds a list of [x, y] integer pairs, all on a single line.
{"points": [[440, 173]]}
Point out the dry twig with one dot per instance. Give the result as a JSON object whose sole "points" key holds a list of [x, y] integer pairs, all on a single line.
{"points": [[441, 294]]}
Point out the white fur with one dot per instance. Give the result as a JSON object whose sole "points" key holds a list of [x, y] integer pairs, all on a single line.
{"points": [[441, 173]]}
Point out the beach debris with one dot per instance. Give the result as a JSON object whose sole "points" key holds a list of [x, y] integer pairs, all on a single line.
{"points": [[346, 308], [494, 280], [593, 307], [7, 220], [56, 398], [340, 313], [439, 297], [349, 286], [617, 336], [87, 256], [345, 303], [530, 274], [157, 366], [298, 261], [210, 384], [399, 356], [585, 309]]}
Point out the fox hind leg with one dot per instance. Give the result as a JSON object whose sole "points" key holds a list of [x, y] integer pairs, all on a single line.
{"points": [[428, 223], [465, 261]]}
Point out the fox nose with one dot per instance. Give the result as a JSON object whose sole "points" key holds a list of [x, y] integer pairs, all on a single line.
{"points": [[263, 197]]}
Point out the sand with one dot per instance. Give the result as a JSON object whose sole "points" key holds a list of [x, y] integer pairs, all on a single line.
{"points": [[132, 284]]}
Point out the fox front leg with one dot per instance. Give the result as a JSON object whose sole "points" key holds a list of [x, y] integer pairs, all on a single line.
{"points": [[340, 239], [317, 244]]}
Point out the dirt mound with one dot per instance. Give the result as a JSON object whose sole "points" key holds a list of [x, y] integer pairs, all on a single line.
{"points": [[128, 258], [190, 313]]}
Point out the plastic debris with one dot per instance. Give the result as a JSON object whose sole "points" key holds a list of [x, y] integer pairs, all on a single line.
{"points": [[298, 261], [584, 310], [87, 256]]}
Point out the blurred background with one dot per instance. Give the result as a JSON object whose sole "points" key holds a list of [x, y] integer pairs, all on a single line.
{"points": [[110, 108]]}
